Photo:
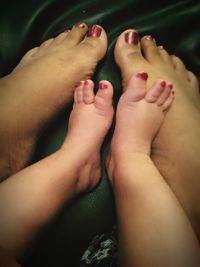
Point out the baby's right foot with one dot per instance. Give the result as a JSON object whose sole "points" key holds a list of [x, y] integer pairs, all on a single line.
{"points": [[40, 86], [140, 114]]}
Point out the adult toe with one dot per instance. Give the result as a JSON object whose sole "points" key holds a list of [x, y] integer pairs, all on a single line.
{"points": [[95, 41], [128, 54], [76, 34], [150, 49]]}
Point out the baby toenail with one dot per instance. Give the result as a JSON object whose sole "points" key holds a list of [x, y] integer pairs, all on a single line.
{"points": [[103, 85], [131, 38], [86, 83], [80, 25], [142, 75], [163, 83], [94, 31]]}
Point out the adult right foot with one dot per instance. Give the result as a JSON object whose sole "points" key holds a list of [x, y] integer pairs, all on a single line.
{"points": [[176, 148], [40, 86]]}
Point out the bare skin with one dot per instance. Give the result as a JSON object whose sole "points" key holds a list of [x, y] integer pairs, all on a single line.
{"points": [[153, 227], [74, 168], [175, 150], [6, 260], [40, 86]]}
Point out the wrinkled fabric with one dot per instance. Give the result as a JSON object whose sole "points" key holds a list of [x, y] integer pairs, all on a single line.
{"points": [[25, 24]]}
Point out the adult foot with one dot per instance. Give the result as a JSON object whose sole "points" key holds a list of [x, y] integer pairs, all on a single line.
{"points": [[176, 148], [139, 116], [89, 122], [40, 86]]}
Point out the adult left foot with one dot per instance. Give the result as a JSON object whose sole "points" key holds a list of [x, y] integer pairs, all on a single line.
{"points": [[89, 122]]}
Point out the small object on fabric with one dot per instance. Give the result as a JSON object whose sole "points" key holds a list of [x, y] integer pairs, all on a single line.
{"points": [[102, 251]]}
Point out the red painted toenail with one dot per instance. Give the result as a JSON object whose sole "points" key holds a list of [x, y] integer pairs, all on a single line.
{"points": [[103, 85], [163, 83], [86, 82], [131, 38], [173, 92], [142, 75], [94, 31], [80, 25], [135, 38], [170, 86]]}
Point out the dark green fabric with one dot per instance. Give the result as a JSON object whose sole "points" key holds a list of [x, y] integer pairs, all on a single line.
{"points": [[25, 24]]}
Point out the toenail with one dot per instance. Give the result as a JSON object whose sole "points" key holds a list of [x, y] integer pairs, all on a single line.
{"points": [[86, 82], [94, 31], [163, 83], [103, 85], [142, 75], [131, 38], [160, 47], [170, 86], [150, 38], [80, 25]]}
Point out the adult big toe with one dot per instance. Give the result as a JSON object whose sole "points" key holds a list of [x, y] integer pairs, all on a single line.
{"points": [[89, 44], [128, 55]]}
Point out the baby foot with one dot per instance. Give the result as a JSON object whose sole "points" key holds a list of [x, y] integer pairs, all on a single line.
{"points": [[176, 147], [40, 86], [140, 114], [89, 122]]}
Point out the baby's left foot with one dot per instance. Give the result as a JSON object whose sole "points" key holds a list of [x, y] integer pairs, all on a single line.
{"points": [[140, 114], [89, 122]]}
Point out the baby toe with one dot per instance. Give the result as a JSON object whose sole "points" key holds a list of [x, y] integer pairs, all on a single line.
{"points": [[165, 94], [78, 93], [169, 100], [155, 92], [136, 88], [104, 95], [88, 92]]}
